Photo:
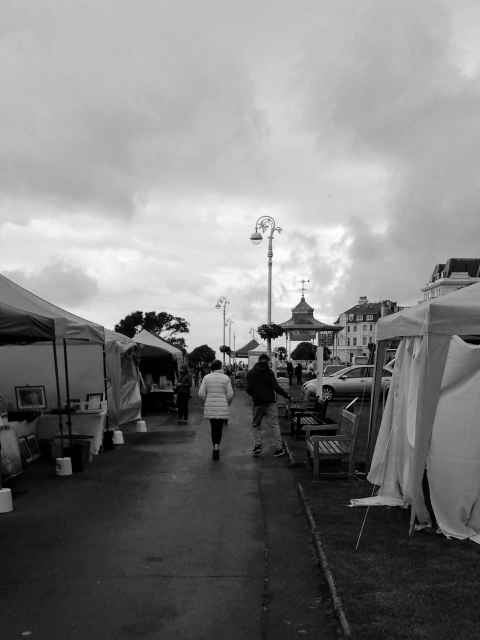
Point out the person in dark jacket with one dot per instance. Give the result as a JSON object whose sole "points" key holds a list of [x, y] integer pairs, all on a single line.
{"points": [[184, 387], [290, 372], [298, 373], [262, 386]]}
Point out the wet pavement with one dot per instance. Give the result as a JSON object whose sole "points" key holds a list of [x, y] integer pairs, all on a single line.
{"points": [[156, 540]]}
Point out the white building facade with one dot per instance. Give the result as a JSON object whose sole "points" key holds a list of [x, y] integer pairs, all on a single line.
{"points": [[455, 274], [359, 327]]}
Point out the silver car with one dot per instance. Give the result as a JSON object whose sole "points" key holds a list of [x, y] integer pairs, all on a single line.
{"points": [[354, 380]]}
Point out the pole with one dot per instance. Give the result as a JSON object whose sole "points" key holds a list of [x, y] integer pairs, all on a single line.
{"points": [[105, 385], [59, 399], [224, 308], [67, 389], [230, 342], [269, 309]]}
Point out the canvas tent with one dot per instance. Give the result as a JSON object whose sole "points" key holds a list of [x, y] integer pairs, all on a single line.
{"points": [[124, 399], [430, 422], [157, 357], [146, 338], [36, 336]]}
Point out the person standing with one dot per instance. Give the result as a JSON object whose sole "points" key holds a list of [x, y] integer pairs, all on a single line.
{"points": [[217, 393], [262, 386], [298, 373], [184, 388], [290, 372]]}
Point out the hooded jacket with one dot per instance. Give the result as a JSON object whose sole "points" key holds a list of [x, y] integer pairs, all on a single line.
{"points": [[262, 384]]}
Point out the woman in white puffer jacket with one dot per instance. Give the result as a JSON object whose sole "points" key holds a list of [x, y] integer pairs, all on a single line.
{"points": [[216, 390]]}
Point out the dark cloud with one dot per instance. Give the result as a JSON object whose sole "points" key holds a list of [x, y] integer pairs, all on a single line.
{"points": [[58, 282]]}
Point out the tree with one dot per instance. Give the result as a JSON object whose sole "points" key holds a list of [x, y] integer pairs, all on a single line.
{"points": [[271, 331], [162, 324], [203, 353], [304, 351]]}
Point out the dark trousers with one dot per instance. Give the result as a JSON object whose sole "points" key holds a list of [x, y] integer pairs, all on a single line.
{"points": [[299, 378], [182, 405], [290, 379], [217, 428]]}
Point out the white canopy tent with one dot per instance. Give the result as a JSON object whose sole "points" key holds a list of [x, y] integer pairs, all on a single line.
{"points": [[430, 422], [124, 398], [148, 339]]}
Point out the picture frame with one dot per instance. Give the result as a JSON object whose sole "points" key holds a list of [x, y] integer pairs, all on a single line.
{"points": [[94, 400], [34, 447], [25, 453], [31, 398]]}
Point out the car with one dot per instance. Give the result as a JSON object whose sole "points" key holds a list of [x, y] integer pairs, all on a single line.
{"points": [[349, 381], [330, 369]]}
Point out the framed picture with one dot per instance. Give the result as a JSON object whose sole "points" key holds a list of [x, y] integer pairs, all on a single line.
{"points": [[25, 452], [31, 398], [75, 404], [94, 400], [32, 442]]}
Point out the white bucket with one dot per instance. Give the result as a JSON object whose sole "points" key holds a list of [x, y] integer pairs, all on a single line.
{"points": [[63, 466], [118, 437], [141, 426], [6, 504]]}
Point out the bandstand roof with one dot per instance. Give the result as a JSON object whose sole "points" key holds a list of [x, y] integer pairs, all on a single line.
{"points": [[302, 319]]}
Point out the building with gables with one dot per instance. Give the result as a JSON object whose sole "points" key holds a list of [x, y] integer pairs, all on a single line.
{"points": [[358, 327]]}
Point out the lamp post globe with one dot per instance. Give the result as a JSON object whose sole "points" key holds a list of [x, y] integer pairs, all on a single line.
{"points": [[256, 238]]}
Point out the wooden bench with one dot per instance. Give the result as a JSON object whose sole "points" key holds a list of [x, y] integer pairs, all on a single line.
{"points": [[306, 417], [339, 447]]}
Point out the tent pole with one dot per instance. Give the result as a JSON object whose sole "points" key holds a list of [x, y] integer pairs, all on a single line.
{"points": [[59, 400], [105, 384], [375, 415], [67, 388]]}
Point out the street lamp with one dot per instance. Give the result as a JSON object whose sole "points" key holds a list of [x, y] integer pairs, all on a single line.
{"points": [[264, 224], [230, 322], [222, 304]]}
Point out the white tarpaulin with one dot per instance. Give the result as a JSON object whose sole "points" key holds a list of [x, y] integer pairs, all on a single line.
{"points": [[124, 399], [430, 422]]}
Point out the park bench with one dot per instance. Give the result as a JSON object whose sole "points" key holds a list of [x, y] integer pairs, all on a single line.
{"points": [[308, 417], [339, 447]]}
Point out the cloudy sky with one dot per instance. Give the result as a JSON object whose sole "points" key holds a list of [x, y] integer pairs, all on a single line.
{"points": [[141, 141]]}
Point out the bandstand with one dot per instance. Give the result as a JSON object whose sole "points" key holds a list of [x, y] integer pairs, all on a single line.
{"points": [[302, 326]]}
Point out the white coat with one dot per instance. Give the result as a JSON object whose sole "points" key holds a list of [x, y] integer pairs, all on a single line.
{"points": [[216, 390]]}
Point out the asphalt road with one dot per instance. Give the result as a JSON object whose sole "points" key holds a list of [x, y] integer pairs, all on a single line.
{"points": [[155, 540]]}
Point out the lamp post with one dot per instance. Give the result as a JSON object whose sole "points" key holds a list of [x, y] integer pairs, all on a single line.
{"points": [[264, 224], [230, 322], [222, 303]]}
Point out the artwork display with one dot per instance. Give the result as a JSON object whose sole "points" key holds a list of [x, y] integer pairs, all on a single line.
{"points": [[31, 398]]}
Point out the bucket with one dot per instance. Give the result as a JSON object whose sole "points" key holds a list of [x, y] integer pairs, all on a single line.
{"points": [[63, 466], [118, 437], [6, 504], [79, 453], [141, 426]]}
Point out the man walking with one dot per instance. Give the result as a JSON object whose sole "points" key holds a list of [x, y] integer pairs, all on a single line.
{"points": [[262, 387], [290, 372]]}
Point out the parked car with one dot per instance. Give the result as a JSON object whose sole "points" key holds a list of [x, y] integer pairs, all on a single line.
{"points": [[330, 369], [348, 381]]}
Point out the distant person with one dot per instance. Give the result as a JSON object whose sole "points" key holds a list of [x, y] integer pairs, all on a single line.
{"points": [[184, 387], [290, 372], [298, 372], [262, 387], [217, 393]]}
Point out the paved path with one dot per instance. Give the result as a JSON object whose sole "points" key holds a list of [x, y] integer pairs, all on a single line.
{"points": [[155, 540]]}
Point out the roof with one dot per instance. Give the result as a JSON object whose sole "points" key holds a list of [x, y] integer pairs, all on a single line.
{"points": [[302, 318], [243, 352], [35, 310], [302, 307], [148, 339], [365, 307], [457, 313]]}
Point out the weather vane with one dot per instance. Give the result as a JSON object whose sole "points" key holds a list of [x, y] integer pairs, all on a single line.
{"points": [[304, 283]]}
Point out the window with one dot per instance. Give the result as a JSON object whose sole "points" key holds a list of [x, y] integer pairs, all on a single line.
{"points": [[369, 317], [348, 342], [359, 318], [364, 340], [355, 373], [351, 317], [371, 327], [348, 329], [354, 327], [354, 342], [364, 327]]}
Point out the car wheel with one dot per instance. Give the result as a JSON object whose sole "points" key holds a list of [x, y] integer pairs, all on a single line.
{"points": [[327, 393]]}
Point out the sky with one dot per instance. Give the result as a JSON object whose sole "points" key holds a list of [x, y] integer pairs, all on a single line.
{"points": [[141, 142]]}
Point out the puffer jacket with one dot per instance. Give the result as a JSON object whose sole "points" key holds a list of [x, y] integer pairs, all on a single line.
{"points": [[216, 390], [262, 385]]}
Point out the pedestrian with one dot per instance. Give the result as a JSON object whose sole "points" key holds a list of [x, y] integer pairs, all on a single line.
{"points": [[184, 387], [298, 372], [262, 387], [217, 393], [290, 372]]}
